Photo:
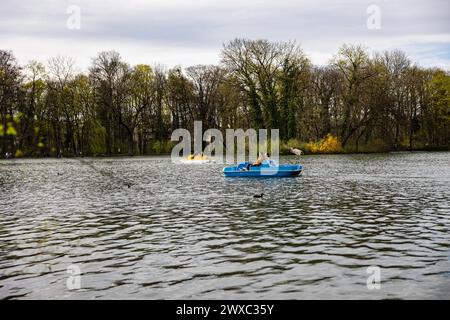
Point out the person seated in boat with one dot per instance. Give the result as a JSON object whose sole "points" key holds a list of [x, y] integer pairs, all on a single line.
{"points": [[198, 157], [259, 161]]}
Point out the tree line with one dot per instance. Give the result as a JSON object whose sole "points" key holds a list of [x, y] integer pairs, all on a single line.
{"points": [[369, 102]]}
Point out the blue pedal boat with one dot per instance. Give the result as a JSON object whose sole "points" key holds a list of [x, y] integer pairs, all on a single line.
{"points": [[267, 169]]}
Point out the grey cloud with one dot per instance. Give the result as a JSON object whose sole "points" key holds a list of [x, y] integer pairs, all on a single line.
{"points": [[319, 25]]}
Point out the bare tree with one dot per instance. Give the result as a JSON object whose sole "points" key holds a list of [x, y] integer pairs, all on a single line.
{"points": [[109, 74], [206, 80]]}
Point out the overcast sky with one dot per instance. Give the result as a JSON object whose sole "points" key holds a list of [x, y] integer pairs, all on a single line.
{"points": [[183, 32]]}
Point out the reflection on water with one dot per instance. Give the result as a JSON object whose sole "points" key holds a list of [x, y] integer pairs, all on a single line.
{"points": [[185, 231]]}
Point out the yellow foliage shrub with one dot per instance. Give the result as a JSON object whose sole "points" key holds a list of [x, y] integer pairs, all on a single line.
{"points": [[329, 144], [11, 131], [19, 154]]}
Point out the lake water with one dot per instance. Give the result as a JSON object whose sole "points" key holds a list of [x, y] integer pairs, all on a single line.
{"points": [[185, 231]]}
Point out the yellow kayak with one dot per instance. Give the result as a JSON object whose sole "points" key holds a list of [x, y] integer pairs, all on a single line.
{"points": [[197, 159]]}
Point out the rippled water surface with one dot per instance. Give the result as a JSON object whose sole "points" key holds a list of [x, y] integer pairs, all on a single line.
{"points": [[185, 231]]}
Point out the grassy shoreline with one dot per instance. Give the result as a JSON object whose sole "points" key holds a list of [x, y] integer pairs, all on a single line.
{"points": [[282, 153]]}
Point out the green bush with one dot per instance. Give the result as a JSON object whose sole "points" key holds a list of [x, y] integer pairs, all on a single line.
{"points": [[97, 139], [158, 147]]}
